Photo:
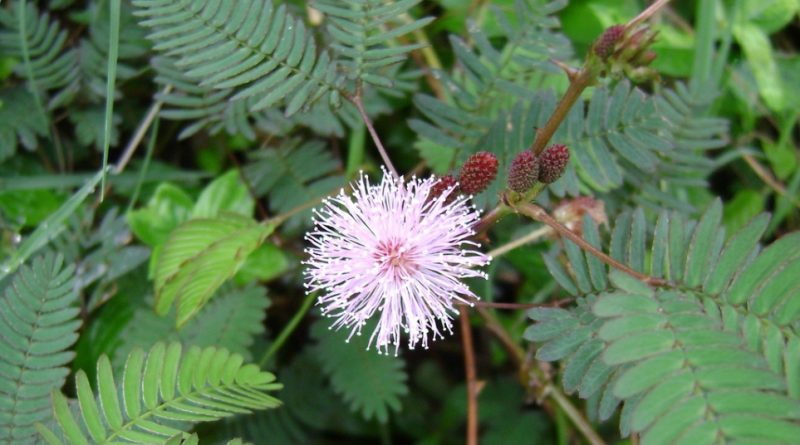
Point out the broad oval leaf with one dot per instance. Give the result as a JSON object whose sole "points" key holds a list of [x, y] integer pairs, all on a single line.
{"points": [[199, 257]]}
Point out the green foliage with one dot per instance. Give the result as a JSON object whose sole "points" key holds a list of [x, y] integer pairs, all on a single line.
{"points": [[159, 388], [293, 174], [40, 43], [259, 50], [359, 30], [199, 256], [259, 97], [20, 124], [371, 383], [49, 228], [38, 325], [232, 320], [485, 85], [719, 338]]}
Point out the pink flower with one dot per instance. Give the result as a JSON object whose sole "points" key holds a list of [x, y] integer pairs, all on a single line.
{"points": [[394, 249]]}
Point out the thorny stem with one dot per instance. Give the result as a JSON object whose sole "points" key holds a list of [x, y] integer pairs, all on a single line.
{"points": [[288, 329], [377, 140], [539, 214], [472, 379]]}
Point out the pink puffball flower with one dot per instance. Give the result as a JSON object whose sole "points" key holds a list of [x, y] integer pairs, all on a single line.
{"points": [[395, 249]]}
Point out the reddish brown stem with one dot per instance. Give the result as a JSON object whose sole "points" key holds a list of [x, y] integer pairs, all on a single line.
{"points": [[472, 379], [539, 214], [578, 83], [375, 138]]}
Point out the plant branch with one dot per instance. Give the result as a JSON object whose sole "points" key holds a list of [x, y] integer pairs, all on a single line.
{"points": [[472, 380], [539, 214], [281, 218], [137, 137], [500, 305], [548, 390], [574, 415], [647, 13], [765, 175], [288, 329], [377, 140], [535, 235], [581, 80]]}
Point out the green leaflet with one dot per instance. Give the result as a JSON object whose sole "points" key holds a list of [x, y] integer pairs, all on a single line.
{"points": [[369, 382], [714, 339], [359, 30], [38, 325], [231, 320], [258, 53], [199, 257], [158, 388]]}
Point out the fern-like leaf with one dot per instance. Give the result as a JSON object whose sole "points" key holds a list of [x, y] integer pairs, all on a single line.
{"points": [[20, 121], [360, 31], [257, 49], [38, 324], [486, 80], [719, 338], [694, 382], [231, 321], [293, 175], [40, 43], [160, 388], [371, 383]]}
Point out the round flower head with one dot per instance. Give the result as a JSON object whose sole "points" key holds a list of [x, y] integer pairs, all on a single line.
{"points": [[396, 249]]}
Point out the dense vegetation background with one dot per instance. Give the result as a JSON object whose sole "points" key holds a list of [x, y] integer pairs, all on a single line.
{"points": [[145, 301]]}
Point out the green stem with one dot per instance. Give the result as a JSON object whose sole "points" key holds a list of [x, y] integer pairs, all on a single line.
{"points": [[111, 77], [355, 151], [288, 329], [704, 48], [151, 144]]}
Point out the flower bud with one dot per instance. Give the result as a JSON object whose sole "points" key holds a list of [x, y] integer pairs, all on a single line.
{"points": [[552, 163], [605, 44], [478, 172], [524, 172], [443, 185]]}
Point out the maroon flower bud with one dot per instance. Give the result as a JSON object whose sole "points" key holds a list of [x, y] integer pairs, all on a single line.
{"points": [[604, 45], [478, 172], [524, 172], [552, 163], [445, 183]]}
